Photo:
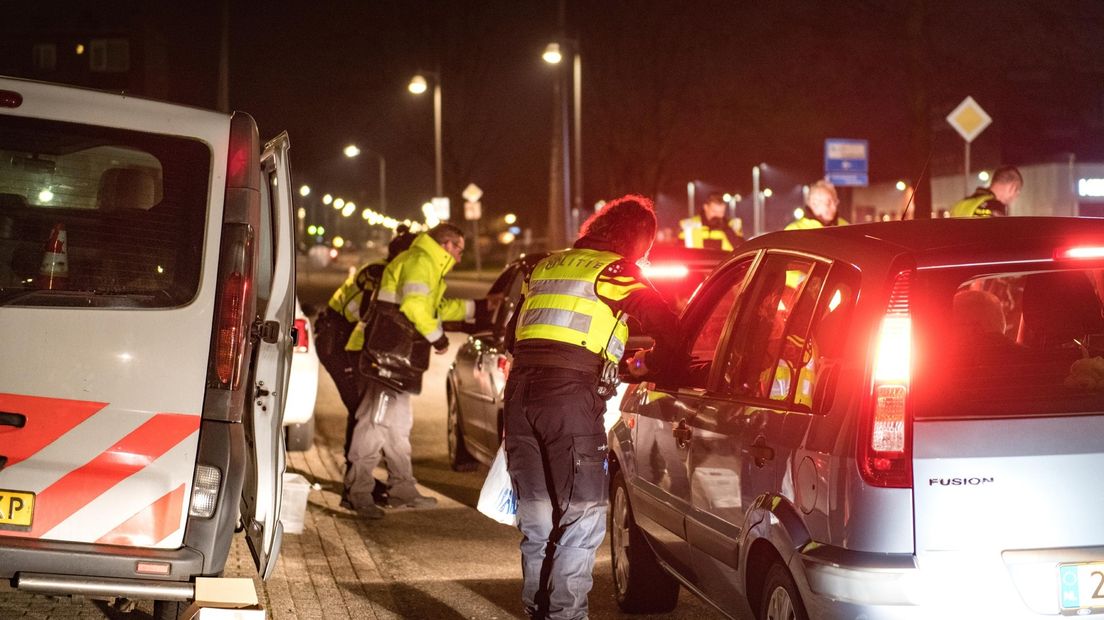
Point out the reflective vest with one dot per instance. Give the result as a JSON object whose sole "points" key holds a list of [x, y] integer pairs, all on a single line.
{"points": [[974, 206], [346, 299], [695, 233], [562, 304], [809, 223]]}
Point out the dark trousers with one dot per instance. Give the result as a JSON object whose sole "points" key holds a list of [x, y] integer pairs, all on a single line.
{"points": [[331, 332], [556, 455]]}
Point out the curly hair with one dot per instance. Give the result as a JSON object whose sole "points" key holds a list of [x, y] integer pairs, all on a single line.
{"points": [[623, 223]]}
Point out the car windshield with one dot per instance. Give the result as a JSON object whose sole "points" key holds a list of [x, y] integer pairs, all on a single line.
{"points": [[1011, 344], [97, 217]]}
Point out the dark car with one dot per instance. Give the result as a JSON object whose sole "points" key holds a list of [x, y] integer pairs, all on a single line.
{"points": [[478, 375], [893, 420]]}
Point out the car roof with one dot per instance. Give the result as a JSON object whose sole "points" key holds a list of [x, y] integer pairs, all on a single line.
{"points": [[943, 241]]}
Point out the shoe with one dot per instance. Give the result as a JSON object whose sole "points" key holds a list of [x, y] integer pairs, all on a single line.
{"points": [[380, 493], [418, 501]]}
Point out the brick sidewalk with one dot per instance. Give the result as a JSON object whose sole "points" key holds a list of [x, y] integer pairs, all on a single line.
{"points": [[327, 572]]}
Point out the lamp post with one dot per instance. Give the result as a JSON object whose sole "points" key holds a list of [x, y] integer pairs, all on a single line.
{"points": [[568, 158], [418, 85], [756, 200], [352, 151]]}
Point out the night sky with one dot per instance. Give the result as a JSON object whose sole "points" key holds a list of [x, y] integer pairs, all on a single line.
{"points": [[673, 91]]}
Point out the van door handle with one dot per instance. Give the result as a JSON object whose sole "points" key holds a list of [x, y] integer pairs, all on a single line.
{"points": [[18, 420], [761, 452], [682, 434]]}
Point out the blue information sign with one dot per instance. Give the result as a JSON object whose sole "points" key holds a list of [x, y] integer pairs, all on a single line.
{"points": [[846, 162]]}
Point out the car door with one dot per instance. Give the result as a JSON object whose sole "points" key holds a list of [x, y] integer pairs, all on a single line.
{"points": [[660, 485], [275, 281], [480, 372], [743, 437]]}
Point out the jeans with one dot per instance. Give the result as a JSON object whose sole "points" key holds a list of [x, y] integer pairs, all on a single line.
{"points": [[556, 455]]}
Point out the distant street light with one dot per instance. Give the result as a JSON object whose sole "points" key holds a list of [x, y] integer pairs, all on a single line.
{"points": [[901, 185], [510, 219], [352, 151], [304, 190], [327, 199], [418, 85], [552, 54]]}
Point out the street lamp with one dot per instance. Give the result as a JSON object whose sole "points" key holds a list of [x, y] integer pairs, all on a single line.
{"points": [[757, 200], [571, 165], [352, 151], [418, 85]]}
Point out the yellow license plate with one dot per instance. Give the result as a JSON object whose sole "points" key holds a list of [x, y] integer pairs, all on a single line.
{"points": [[16, 509], [1082, 585]]}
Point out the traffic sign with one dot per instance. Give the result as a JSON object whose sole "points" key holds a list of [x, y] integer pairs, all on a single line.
{"points": [[968, 119], [473, 210], [846, 162], [472, 193]]}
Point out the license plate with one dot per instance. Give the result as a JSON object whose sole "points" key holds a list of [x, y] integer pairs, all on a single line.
{"points": [[16, 509], [1082, 585]]}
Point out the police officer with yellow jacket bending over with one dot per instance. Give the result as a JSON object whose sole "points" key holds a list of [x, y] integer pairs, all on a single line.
{"points": [[570, 335]]}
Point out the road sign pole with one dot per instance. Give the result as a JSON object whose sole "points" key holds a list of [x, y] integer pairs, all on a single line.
{"points": [[967, 179], [475, 242]]}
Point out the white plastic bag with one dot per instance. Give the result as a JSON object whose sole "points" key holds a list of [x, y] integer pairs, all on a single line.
{"points": [[497, 499]]}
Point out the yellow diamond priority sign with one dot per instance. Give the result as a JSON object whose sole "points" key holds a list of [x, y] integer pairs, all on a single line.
{"points": [[968, 119]]}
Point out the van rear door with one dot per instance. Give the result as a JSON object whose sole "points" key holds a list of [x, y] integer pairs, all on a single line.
{"points": [[104, 302], [273, 342], [1007, 441]]}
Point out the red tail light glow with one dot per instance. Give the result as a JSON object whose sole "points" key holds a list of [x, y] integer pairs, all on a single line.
{"points": [[504, 366], [666, 272], [302, 339], [10, 99], [885, 451], [1083, 252]]}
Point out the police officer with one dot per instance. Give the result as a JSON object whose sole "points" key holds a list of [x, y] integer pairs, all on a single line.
{"points": [[709, 229], [414, 281], [569, 338], [821, 208], [1003, 189], [338, 323]]}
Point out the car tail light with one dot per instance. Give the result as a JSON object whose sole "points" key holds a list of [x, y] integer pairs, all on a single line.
{"points": [[665, 272], [504, 366], [885, 450], [1082, 252], [302, 339]]}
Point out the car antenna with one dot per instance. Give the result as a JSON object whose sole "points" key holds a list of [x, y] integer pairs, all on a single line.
{"points": [[923, 171]]}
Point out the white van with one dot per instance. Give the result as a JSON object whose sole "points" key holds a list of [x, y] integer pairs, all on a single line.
{"points": [[146, 314]]}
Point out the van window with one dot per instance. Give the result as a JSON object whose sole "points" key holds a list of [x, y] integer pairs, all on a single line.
{"points": [[1011, 344], [99, 217]]}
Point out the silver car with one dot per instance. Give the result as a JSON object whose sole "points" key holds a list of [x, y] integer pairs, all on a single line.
{"points": [[894, 420]]}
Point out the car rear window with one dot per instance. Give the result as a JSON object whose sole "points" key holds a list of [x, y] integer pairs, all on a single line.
{"points": [[1016, 343], [99, 217]]}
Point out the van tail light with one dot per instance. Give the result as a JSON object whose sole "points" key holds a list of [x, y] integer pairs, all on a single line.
{"points": [[234, 311], [885, 445], [302, 339]]}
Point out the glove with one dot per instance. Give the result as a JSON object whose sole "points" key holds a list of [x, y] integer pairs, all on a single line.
{"points": [[441, 345]]}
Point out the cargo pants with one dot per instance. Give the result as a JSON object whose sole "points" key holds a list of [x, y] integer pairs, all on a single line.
{"points": [[383, 422], [556, 455]]}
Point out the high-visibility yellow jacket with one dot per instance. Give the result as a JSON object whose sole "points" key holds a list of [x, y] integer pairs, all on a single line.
{"points": [[415, 280], [981, 204], [348, 297], [562, 302], [697, 234], [809, 223]]}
